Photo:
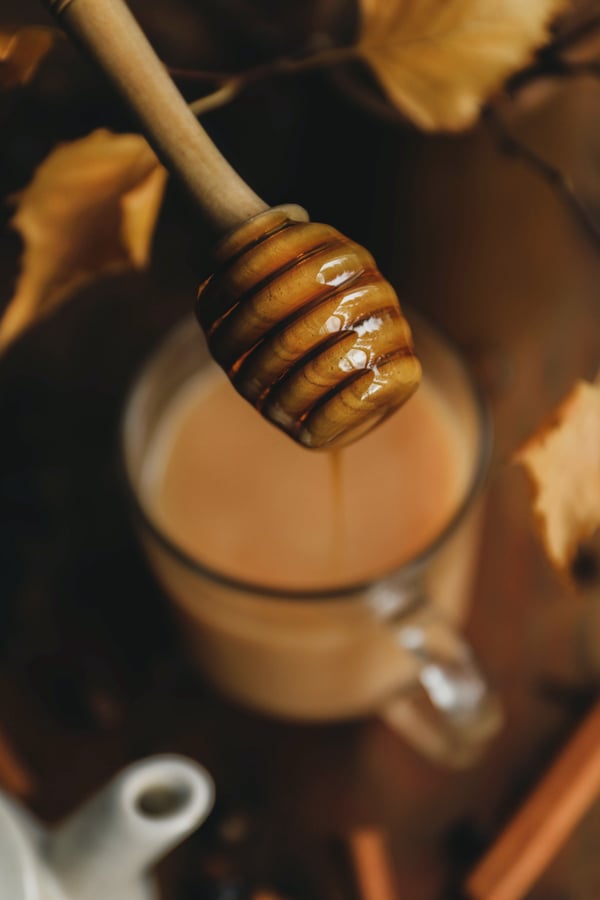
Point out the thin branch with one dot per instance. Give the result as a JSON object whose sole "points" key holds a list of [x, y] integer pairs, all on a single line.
{"points": [[574, 70], [552, 60], [559, 181], [223, 95], [232, 85], [576, 35], [179, 74]]}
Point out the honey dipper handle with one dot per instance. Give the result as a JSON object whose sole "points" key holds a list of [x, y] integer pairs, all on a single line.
{"points": [[110, 33]]}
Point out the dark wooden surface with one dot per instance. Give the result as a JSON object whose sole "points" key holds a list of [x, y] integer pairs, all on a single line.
{"points": [[91, 673]]}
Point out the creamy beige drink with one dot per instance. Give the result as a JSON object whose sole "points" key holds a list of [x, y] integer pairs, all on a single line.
{"points": [[242, 498], [308, 589]]}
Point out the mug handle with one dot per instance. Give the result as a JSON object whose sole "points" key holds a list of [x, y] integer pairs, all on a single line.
{"points": [[451, 714]]}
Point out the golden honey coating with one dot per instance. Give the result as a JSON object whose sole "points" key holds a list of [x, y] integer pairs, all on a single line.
{"points": [[307, 328]]}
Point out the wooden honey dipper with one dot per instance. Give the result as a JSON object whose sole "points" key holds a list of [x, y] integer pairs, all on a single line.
{"points": [[298, 315]]}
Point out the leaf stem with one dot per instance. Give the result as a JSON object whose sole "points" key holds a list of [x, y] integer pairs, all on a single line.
{"points": [[223, 95], [553, 60], [559, 181], [233, 84]]}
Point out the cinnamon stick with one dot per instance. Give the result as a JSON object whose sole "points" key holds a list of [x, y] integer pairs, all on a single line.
{"points": [[546, 820], [372, 865]]}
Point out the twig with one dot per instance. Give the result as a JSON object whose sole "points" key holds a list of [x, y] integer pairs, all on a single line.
{"points": [[221, 97], [284, 65], [179, 74], [576, 70], [575, 36], [232, 85], [552, 61], [559, 181]]}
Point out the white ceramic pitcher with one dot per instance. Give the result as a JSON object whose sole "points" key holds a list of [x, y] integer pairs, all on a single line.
{"points": [[104, 851]]}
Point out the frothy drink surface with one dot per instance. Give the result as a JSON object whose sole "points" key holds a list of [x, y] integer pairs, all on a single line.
{"points": [[241, 497]]}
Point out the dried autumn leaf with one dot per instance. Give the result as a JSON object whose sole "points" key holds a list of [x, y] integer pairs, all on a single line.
{"points": [[439, 60], [562, 461], [90, 208], [21, 52]]}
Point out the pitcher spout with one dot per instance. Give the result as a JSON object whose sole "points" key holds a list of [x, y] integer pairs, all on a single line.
{"points": [[147, 809]]}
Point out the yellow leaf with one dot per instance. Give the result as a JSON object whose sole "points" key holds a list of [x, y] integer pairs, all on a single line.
{"points": [[21, 51], [562, 461], [440, 60], [90, 208]]}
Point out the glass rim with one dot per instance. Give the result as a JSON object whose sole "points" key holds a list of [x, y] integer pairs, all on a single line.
{"points": [[409, 569]]}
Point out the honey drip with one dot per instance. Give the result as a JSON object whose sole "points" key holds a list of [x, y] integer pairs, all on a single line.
{"points": [[336, 477]]}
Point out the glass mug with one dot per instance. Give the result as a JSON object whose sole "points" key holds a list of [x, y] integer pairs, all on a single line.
{"points": [[390, 646]]}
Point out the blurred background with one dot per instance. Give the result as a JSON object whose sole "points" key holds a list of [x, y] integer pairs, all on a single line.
{"points": [[90, 670]]}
